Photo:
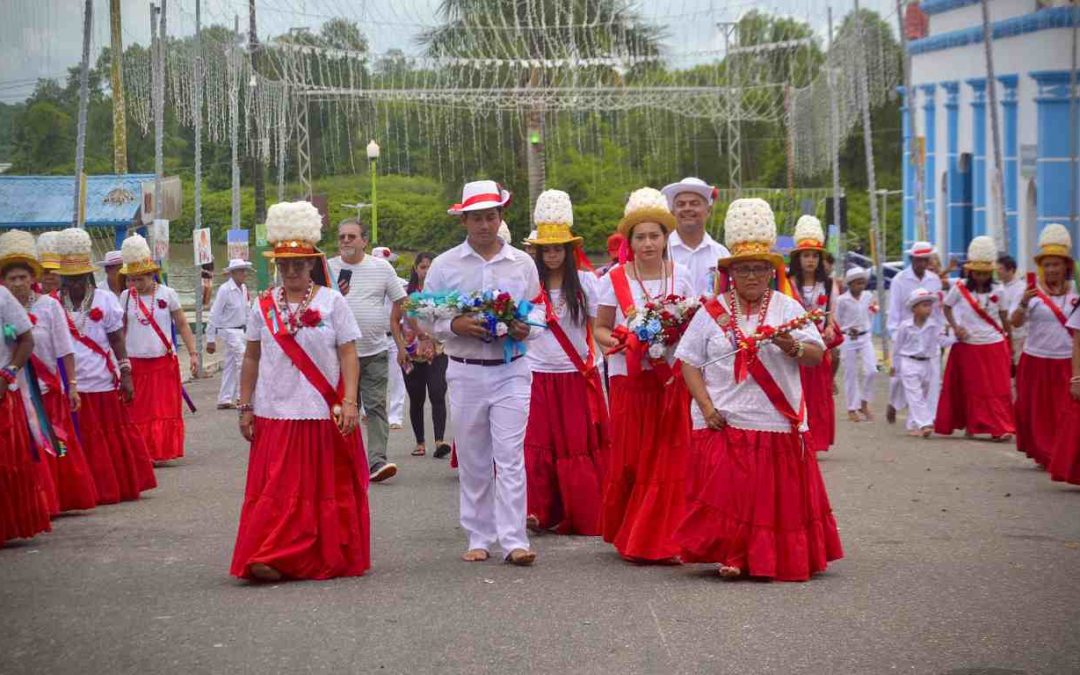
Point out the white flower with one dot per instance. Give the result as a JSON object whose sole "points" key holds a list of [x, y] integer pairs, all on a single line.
{"points": [[501, 329], [656, 351]]}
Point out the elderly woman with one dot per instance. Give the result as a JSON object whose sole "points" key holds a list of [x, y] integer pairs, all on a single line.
{"points": [[151, 311], [115, 450], [644, 492], [305, 512], [763, 510], [1042, 377], [69, 472]]}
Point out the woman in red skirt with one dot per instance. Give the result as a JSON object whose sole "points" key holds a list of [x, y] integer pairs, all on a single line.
{"points": [[976, 392], [645, 490], [305, 512], [114, 449], [763, 510], [815, 289], [566, 438], [68, 473], [1042, 377], [151, 310], [24, 500], [1065, 452]]}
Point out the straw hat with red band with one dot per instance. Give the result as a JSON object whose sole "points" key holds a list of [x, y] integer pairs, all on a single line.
{"points": [[646, 205], [17, 247], [47, 254], [922, 249], [981, 255], [1054, 241], [750, 234], [554, 216], [137, 257], [74, 247], [809, 235], [293, 229], [479, 195], [693, 185]]}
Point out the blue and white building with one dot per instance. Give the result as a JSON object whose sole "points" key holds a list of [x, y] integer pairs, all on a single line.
{"points": [[1032, 50]]}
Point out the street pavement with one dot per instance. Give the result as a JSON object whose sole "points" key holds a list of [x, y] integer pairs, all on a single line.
{"points": [[961, 557]]}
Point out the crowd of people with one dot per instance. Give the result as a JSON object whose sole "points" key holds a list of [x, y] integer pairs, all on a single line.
{"points": [[672, 401]]}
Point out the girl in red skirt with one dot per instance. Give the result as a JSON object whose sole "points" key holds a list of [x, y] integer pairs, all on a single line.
{"points": [[763, 511], [1042, 377], [151, 310], [976, 393], [815, 289], [114, 449], [645, 490], [68, 473], [305, 512], [565, 440], [24, 500]]}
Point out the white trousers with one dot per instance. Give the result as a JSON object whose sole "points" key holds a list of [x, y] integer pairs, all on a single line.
{"points": [[395, 388], [897, 397], [917, 379], [231, 343], [490, 407], [855, 353]]}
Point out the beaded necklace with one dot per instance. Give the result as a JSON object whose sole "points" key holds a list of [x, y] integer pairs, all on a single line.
{"points": [[733, 301], [292, 319], [663, 282], [135, 308], [83, 310]]}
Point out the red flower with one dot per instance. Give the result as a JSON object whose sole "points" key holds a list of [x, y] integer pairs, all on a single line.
{"points": [[767, 331], [33, 319], [822, 300], [161, 303], [96, 314], [993, 297], [310, 318]]}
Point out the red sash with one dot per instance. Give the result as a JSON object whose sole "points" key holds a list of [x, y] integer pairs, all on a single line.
{"points": [[635, 349], [1052, 307], [978, 308], [597, 406], [165, 342], [45, 375], [297, 355], [762, 375], [92, 346]]}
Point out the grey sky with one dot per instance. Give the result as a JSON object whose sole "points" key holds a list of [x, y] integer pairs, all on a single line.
{"points": [[42, 38]]}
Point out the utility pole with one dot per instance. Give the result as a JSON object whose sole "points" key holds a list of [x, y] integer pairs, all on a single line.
{"points": [[258, 177], [998, 194], [234, 118], [732, 113], [157, 40], [198, 180], [915, 151], [117, 84], [834, 133], [77, 213]]}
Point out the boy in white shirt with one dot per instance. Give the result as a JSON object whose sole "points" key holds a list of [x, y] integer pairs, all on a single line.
{"points": [[853, 315], [918, 340]]}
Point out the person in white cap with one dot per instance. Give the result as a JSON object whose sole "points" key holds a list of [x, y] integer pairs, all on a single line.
{"points": [[854, 312], [917, 345], [915, 275], [489, 397], [228, 320], [395, 388], [112, 262], [691, 201]]}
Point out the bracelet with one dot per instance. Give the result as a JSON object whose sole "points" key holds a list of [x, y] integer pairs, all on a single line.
{"points": [[9, 373], [124, 364], [245, 407], [349, 401], [799, 350]]}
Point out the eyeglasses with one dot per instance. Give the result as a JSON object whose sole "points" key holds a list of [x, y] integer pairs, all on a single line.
{"points": [[347, 237], [747, 271]]}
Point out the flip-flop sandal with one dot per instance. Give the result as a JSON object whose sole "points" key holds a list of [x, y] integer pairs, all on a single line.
{"points": [[419, 452], [486, 555]]}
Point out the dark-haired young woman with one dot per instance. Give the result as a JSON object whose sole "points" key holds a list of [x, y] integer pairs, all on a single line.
{"points": [[427, 378]]}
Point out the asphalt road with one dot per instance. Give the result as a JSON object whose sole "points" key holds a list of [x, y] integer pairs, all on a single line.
{"points": [[961, 558]]}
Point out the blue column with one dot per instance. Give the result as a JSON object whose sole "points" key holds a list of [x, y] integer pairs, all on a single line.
{"points": [[908, 175], [930, 186], [1010, 155], [959, 200], [978, 126], [1052, 174]]}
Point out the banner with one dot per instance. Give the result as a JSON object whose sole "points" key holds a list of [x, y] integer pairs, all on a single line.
{"points": [[159, 235], [203, 252], [238, 244]]}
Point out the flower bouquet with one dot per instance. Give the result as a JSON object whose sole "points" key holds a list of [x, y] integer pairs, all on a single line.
{"points": [[496, 308], [662, 322]]}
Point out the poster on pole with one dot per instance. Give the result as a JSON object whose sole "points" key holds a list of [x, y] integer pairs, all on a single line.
{"points": [[238, 244], [203, 252], [159, 235]]}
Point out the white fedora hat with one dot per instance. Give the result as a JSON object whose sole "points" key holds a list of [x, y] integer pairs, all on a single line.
{"points": [[237, 264], [689, 184], [479, 195], [922, 249]]}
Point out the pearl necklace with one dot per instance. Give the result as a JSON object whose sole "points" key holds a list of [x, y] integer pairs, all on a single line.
{"points": [[83, 310], [135, 307], [292, 319]]}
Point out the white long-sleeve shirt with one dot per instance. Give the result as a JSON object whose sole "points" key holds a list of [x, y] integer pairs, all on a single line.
{"points": [[700, 261], [921, 342], [230, 309], [902, 286], [854, 313]]}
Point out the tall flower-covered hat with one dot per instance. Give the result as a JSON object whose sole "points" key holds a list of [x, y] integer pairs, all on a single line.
{"points": [[750, 234], [554, 218], [136, 256], [17, 246], [1054, 240], [47, 254], [293, 229], [981, 255], [809, 235], [74, 247], [646, 205]]}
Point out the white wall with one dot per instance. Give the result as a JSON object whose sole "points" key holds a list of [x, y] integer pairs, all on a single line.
{"points": [[965, 17]]}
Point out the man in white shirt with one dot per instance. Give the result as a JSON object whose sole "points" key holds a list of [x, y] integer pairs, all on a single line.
{"points": [[915, 275], [368, 283], [1013, 288], [489, 396], [691, 200], [228, 320]]}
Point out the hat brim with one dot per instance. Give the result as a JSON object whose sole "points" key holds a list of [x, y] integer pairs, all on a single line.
{"points": [[558, 241], [820, 248], [79, 271], [29, 261], [981, 266], [291, 254], [1042, 256], [923, 254], [140, 268], [776, 259], [247, 268], [459, 209], [675, 189], [650, 215], [928, 298]]}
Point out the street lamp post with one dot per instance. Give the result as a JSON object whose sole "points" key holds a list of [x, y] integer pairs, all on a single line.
{"points": [[373, 157]]}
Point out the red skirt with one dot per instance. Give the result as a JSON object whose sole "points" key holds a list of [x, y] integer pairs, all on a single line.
{"points": [[157, 409], [700, 462], [305, 507], [24, 500], [976, 392], [1065, 459], [566, 455], [114, 449], [71, 473], [764, 508], [817, 384], [1042, 397], [645, 487]]}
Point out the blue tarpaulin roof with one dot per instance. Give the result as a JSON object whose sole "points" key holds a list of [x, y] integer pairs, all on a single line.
{"points": [[45, 202]]}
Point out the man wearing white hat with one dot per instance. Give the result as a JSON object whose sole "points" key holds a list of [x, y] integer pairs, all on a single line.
{"points": [[854, 310], [691, 200], [915, 275], [228, 319], [489, 397]]}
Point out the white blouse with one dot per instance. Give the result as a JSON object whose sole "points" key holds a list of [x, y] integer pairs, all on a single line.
{"points": [[142, 341], [11, 314], [679, 284], [282, 391], [52, 339], [744, 405], [979, 331], [1046, 337], [545, 354], [91, 370]]}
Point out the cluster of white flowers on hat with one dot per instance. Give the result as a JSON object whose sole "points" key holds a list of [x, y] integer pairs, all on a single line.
{"points": [[749, 220], [553, 206], [982, 249], [135, 250], [645, 199], [293, 221], [1055, 234], [17, 242], [809, 227], [73, 241], [46, 242]]}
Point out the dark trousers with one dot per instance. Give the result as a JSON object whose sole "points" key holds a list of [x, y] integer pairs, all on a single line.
{"points": [[432, 378]]}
